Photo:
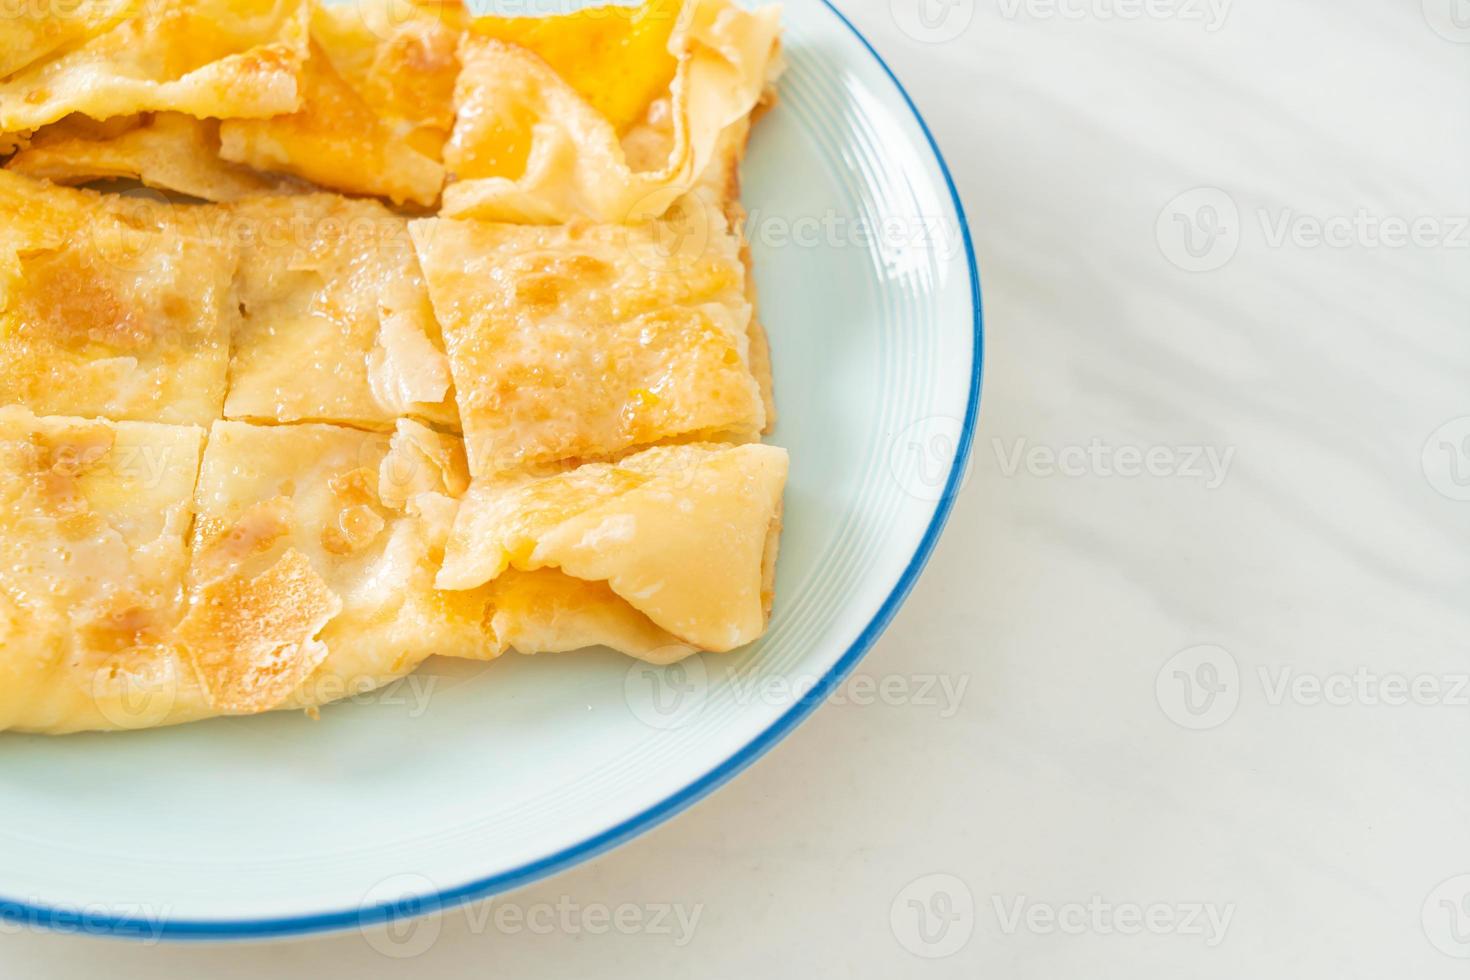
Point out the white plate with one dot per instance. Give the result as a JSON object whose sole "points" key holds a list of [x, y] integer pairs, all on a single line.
{"points": [[470, 779]]}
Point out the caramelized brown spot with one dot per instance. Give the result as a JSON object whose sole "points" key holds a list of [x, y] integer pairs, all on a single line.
{"points": [[222, 546], [548, 278], [125, 627], [250, 639], [69, 299], [58, 461]]}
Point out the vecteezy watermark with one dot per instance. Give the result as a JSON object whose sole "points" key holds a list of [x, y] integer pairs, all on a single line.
{"points": [[1098, 916], [1446, 917], [673, 696], [388, 18], [1450, 19], [1362, 686], [832, 229], [93, 450], [932, 21], [1201, 230], [665, 233], [133, 695], [941, 693], [1208, 465], [40, 10], [141, 921], [1199, 687], [400, 919], [1445, 459], [1362, 228], [1210, 14], [666, 696], [125, 238], [922, 457], [933, 916]]}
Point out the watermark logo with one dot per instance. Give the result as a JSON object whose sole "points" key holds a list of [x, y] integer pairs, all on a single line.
{"points": [[1209, 13], [1445, 459], [387, 19], [667, 697], [134, 693], [1199, 687], [932, 21], [1199, 231], [1208, 465], [923, 454], [890, 235], [1450, 19], [415, 919], [1362, 229], [413, 925], [933, 916], [136, 920], [667, 234], [942, 693], [37, 10], [1446, 917], [1098, 916], [120, 239]]}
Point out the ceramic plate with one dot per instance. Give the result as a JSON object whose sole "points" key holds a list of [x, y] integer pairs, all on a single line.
{"points": [[469, 779]]}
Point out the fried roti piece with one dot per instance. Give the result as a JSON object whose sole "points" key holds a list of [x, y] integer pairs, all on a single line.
{"points": [[720, 187], [206, 58], [546, 611], [672, 549], [538, 140], [313, 561], [168, 151], [376, 104], [582, 341], [616, 57], [93, 519], [100, 317], [26, 39], [337, 325]]}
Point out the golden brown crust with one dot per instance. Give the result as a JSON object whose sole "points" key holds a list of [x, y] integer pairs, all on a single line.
{"points": [[251, 638], [92, 522], [101, 318], [681, 534], [337, 323], [546, 611], [530, 145], [376, 105], [169, 151], [586, 340], [207, 58], [324, 510]]}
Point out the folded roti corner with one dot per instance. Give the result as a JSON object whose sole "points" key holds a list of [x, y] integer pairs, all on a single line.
{"points": [[206, 58], [536, 142], [670, 546]]}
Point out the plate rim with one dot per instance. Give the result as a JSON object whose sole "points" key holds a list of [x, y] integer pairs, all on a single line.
{"points": [[45, 917]]}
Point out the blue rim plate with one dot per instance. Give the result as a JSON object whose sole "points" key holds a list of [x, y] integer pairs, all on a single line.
{"points": [[472, 779]]}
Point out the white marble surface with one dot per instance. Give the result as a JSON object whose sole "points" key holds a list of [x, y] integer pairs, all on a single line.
{"points": [[1306, 824]]}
